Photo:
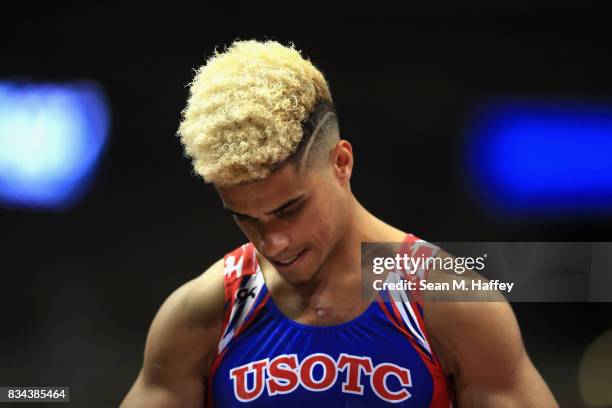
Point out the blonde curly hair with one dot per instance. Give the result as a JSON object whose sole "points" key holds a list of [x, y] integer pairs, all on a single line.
{"points": [[246, 109]]}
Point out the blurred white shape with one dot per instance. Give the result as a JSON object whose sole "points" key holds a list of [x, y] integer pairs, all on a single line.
{"points": [[51, 136]]}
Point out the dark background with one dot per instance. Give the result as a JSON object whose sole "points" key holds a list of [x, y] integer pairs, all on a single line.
{"points": [[80, 288]]}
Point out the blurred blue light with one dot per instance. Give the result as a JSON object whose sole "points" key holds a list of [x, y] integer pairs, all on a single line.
{"points": [[51, 137], [541, 157]]}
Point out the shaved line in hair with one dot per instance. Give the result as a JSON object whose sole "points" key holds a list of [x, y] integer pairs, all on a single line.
{"points": [[313, 137]]}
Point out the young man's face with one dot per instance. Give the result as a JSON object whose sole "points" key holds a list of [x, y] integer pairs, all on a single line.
{"points": [[293, 218]]}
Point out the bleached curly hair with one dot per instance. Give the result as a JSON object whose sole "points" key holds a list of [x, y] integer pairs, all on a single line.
{"points": [[248, 108]]}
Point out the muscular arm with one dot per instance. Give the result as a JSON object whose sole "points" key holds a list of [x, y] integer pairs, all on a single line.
{"points": [[180, 345], [480, 345]]}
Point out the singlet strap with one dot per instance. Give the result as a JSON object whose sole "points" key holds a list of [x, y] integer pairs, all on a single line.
{"points": [[417, 248], [245, 292], [405, 309]]}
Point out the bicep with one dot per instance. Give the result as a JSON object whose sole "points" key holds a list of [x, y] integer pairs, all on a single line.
{"points": [[170, 376], [146, 393], [482, 345], [521, 387], [180, 346]]}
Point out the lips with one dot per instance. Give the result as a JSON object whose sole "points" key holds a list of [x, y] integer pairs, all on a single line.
{"points": [[288, 261]]}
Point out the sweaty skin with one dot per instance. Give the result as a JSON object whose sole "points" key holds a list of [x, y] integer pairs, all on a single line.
{"points": [[478, 343]]}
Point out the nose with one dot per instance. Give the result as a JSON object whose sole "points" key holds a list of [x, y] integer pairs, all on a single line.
{"points": [[273, 244]]}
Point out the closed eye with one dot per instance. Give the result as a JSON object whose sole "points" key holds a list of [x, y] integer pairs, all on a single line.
{"points": [[289, 212], [241, 217], [286, 211]]}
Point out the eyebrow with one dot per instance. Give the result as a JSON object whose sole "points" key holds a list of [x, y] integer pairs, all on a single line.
{"points": [[288, 203]]}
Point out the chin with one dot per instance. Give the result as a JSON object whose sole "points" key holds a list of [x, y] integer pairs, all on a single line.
{"points": [[298, 282], [299, 277], [302, 275]]}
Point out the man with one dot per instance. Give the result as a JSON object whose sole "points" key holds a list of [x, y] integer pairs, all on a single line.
{"points": [[282, 320]]}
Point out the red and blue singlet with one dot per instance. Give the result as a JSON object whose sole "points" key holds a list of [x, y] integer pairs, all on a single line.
{"points": [[380, 358]]}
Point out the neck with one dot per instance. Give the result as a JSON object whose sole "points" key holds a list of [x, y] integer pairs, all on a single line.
{"points": [[340, 275]]}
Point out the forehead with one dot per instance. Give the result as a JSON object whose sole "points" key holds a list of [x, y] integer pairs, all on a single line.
{"points": [[267, 194]]}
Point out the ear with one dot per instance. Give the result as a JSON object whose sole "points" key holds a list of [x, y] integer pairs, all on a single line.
{"points": [[342, 163]]}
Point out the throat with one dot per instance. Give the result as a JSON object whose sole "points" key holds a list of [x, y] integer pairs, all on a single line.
{"points": [[327, 315], [323, 312]]}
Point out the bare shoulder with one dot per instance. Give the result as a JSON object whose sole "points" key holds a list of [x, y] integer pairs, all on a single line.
{"points": [[478, 341], [203, 297], [181, 344], [193, 308]]}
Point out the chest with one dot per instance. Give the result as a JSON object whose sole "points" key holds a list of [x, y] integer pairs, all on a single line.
{"points": [[364, 362], [322, 313]]}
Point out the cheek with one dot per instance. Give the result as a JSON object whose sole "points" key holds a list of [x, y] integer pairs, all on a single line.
{"points": [[322, 222], [249, 231], [331, 209]]}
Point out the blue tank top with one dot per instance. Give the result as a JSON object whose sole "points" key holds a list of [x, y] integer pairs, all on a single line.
{"points": [[380, 358]]}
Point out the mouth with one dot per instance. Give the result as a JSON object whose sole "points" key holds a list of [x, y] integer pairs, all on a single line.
{"points": [[287, 262]]}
